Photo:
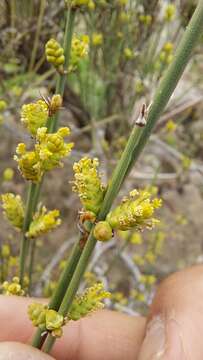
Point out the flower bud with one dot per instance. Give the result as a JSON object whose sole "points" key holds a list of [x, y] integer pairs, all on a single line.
{"points": [[55, 54], [8, 174], [103, 231], [55, 104]]}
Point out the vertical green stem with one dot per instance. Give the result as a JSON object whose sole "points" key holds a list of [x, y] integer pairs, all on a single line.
{"points": [[134, 146], [59, 293], [31, 264], [24, 242], [37, 33]]}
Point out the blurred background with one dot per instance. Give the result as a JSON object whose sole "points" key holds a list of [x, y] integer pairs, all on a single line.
{"points": [[131, 44]]}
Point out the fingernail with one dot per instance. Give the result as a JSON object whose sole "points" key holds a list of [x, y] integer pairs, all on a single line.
{"points": [[17, 351], [153, 346], [163, 341]]}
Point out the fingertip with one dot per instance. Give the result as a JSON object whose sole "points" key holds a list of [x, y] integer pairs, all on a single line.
{"points": [[18, 351]]}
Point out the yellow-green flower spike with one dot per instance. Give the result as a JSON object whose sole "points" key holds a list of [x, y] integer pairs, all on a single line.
{"points": [[103, 231], [28, 163], [46, 319], [13, 287], [55, 54], [37, 314], [79, 50], [51, 148], [43, 222], [135, 211], [88, 185], [89, 301], [13, 209], [34, 115]]}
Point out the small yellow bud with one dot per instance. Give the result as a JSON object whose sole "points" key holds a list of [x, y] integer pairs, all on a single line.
{"points": [[97, 39], [128, 53], [3, 105], [103, 231], [8, 174], [5, 251], [55, 104], [170, 12]]}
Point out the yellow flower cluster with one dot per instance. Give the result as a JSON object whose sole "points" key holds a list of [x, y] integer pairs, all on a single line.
{"points": [[90, 4], [97, 39], [79, 50], [13, 287], [43, 222], [135, 211], [46, 319], [13, 209], [28, 163], [51, 148], [48, 152], [55, 54], [89, 301], [88, 184], [170, 12], [34, 115]]}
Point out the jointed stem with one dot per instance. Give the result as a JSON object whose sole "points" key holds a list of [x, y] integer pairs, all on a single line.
{"points": [[61, 288], [136, 143], [28, 216]]}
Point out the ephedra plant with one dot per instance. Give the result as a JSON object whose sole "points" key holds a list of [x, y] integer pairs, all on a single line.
{"points": [[99, 219]]}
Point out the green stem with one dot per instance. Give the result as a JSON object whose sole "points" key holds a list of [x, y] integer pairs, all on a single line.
{"points": [[37, 34], [59, 293], [31, 264], [133, 148], [24, 242]]}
